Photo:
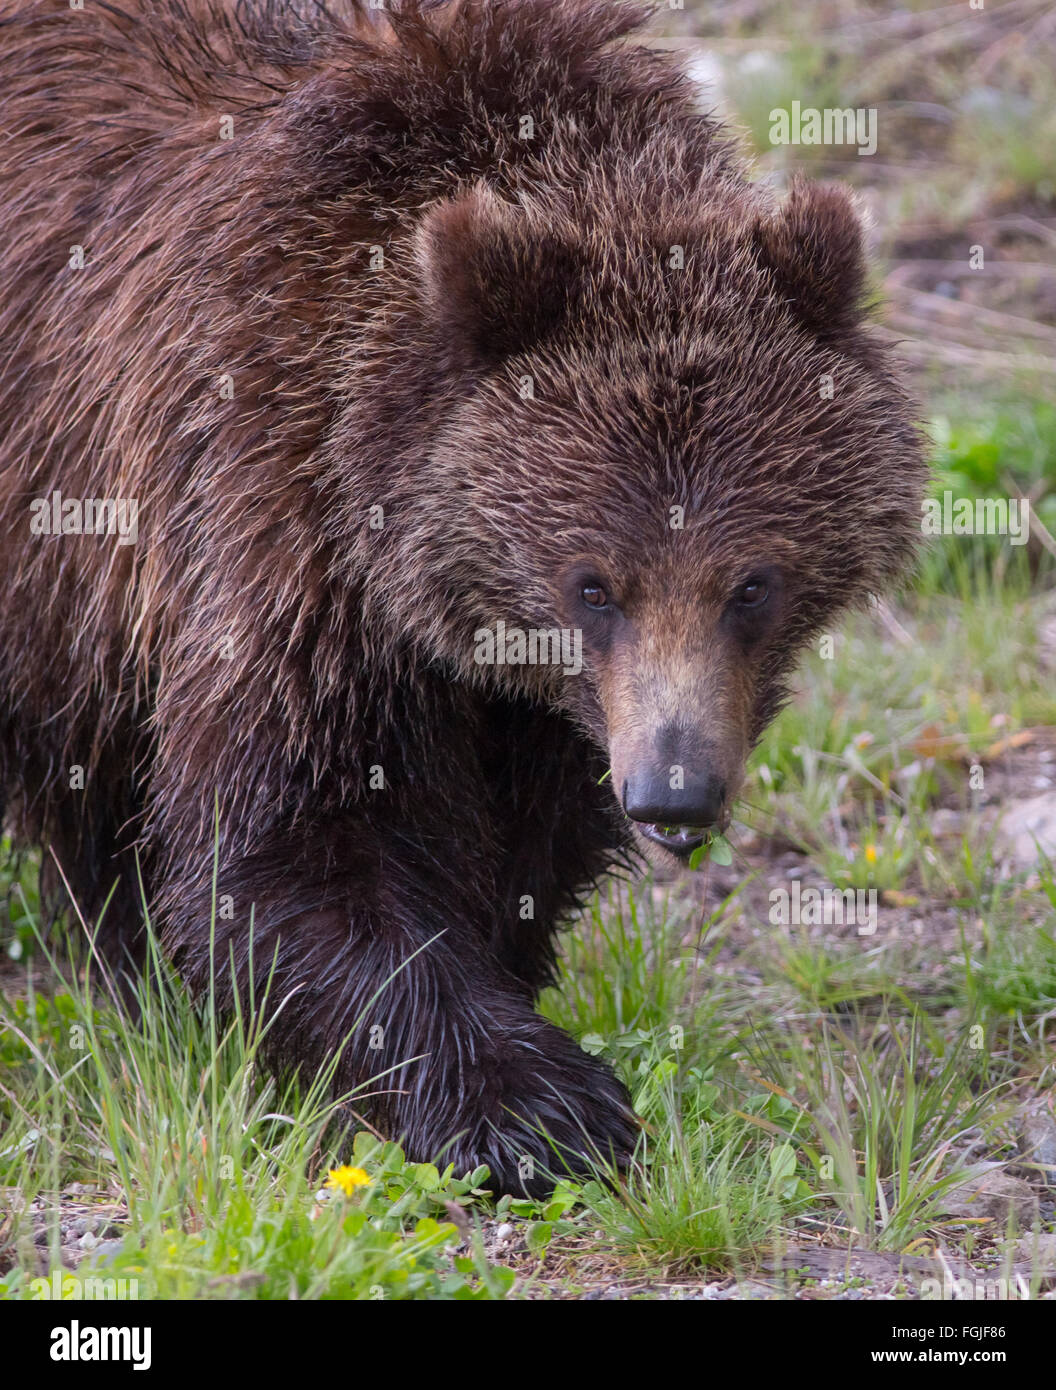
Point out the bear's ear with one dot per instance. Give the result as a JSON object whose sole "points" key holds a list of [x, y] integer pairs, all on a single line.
{"points": [[493, 283], [814, 247]]}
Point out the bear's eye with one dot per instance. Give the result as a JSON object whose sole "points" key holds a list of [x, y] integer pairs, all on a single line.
{"points": [[753, 594], [594, 595]]}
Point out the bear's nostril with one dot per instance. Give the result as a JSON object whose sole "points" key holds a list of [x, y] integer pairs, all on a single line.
{"points": [[649, 798]]}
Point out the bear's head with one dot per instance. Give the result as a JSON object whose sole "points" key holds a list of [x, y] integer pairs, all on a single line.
{"points": [[671, 438]]}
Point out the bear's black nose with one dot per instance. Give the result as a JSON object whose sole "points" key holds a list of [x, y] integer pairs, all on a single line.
{"points": [[649, 797]]}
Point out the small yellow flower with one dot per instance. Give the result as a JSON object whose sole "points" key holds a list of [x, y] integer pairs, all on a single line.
{"points": [[347, 1179], [870, 853]]}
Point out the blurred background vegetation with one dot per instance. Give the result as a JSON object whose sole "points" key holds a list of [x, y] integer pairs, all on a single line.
{"points": [[966, 158]]}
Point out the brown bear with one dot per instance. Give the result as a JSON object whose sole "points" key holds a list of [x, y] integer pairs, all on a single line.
{"points": [[423, 452]]}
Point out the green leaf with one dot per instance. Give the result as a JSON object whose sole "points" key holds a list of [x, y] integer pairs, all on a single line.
{"points": [[721, 853], [716, 849], [537, 1237], [782, 1161], [426, 1176], [435, 1232], [364, 1144]]}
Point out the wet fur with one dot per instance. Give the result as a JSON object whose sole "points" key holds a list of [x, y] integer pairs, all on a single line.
{"points": [[261, 648]]}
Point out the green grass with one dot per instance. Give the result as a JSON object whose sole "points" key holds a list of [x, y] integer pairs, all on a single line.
{"points": [[884, 1108], [222, 1167]]}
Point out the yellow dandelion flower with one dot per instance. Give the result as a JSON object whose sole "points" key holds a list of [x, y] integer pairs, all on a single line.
{"points": [[870, 853], [347, 1179]]}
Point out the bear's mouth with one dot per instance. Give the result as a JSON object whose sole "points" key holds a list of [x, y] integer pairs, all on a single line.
{"points": [[681, 840]]}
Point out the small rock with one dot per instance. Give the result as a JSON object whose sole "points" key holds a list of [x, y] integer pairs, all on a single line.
{"points": [[1047, 642], [751, 1288], [1026, 828], [504, 1231], [996, 1194], [107, 1249], [1038, 1251], [1037, 1140], [946, 824], [88, 1241], [745, 838]]}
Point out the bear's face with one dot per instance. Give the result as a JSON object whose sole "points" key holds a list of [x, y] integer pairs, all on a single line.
{"points": [[685, 465]]}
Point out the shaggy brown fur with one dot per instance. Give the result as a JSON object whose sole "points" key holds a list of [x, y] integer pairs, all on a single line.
{"points": [[237, 356]]}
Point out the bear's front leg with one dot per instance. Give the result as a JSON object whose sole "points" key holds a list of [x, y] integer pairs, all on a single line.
{"points": [[392, 969], [497, 1084]]}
